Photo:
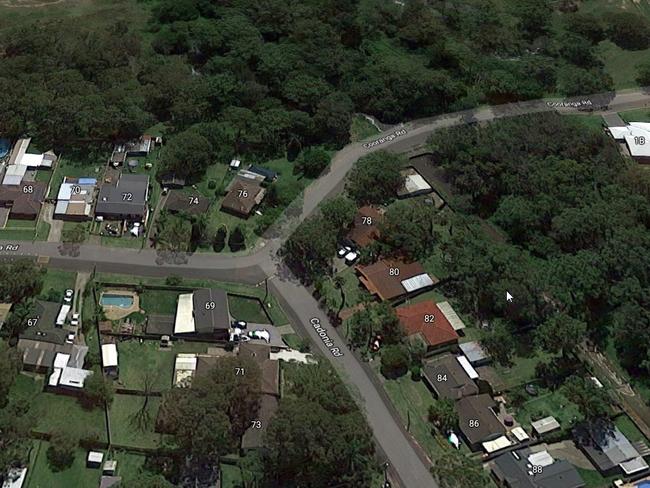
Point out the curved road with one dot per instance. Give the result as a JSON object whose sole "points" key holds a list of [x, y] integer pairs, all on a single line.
{"points": [[408, 464]]}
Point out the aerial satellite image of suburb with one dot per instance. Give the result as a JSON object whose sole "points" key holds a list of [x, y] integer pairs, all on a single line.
{"points": [[324, 243]]}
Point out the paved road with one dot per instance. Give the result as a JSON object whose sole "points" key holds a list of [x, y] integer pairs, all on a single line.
{"points": [[406, 460]]}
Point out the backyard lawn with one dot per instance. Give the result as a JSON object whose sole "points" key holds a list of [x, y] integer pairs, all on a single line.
{"points": [[628, 429], [75, 169], [248, 309], [549, 403], [621, 64], [139, 359], [593, 479], [39, 474], [126, 430], [523, 369], [162, 302], [46, 409]]}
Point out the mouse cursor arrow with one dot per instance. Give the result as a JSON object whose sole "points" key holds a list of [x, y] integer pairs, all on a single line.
{"points": [[509, 297]]}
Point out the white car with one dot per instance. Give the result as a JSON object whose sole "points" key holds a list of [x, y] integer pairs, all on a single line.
{"points": [[343, 251], [75, 319], [70, 338], [67, 298], [351, 257], [237, 335], [260, 334]]}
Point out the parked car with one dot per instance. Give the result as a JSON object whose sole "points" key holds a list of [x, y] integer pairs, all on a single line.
{"points": [[237, 335], [240, 324], [70, 338], [351, 258], [260, 334], [67, 298], [75, 319], [343, 251]]}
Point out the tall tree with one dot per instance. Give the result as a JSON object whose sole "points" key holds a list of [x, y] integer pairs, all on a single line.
{"points": [[375, 178]]}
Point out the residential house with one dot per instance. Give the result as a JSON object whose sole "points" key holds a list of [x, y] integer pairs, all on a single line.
{"points": [[243, 197], [448, 379], [477, 420], [42, 340], [124, 199], [390, 279], [24, 201], [66, 375], [636, 137], [75, 199], [192, 203], [425, 321], [20, 162], [609, 450], [413, 184], [527, 469], [203, 313], [136, 148], [365, 228], [270, 393]]}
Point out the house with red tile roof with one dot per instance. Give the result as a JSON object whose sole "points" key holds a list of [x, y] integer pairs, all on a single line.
{"points": [[426, 320]]}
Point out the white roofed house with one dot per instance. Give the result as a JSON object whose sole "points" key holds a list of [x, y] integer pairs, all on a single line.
{"points": [[65, 375], [20, 162], [636, 136], [75, 199]]}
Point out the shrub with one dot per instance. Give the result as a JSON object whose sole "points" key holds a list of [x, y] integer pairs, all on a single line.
{"points": [[394, 361]]}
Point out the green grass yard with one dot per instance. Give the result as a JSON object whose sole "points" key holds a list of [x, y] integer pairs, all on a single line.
{"points": [[248, 309], [126, 431], [57, 280], [523, 369], [47, 408], [361, 129], [40, 475], [351, 289], [621, 64], [138, 359], [593, 479], [549, 403], [628, 429], [412, 400], [161, 302], [641, 115]]}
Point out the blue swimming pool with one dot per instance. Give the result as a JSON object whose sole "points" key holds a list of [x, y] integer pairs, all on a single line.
{"points": [[644, 484], [122, 301]]}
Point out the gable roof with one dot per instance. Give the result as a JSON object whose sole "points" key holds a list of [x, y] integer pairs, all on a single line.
{"points": [[208, 319], [485, 425], [448, 379], [193, 203], [45, 329], [426, 319], [365, 228], [21, 202], [270, 369], [515, 471], [243, 196], [607, 447], [380, 280]]}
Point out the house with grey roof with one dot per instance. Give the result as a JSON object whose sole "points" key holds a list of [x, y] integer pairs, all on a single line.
{"points": [[525, 469], [124, 199], [608, 449], [203, 313], [447, 378]]}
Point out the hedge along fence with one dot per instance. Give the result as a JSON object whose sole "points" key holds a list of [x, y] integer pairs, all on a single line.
{"points": [[184, 289], [94, 444]]}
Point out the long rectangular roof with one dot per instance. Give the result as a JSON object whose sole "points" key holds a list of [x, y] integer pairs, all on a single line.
{"points": [[109, 355], [184, 320], [128, 196], [210, 310]]}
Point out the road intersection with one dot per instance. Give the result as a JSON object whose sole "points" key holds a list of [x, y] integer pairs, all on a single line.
{"points": [[408, 463]]}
